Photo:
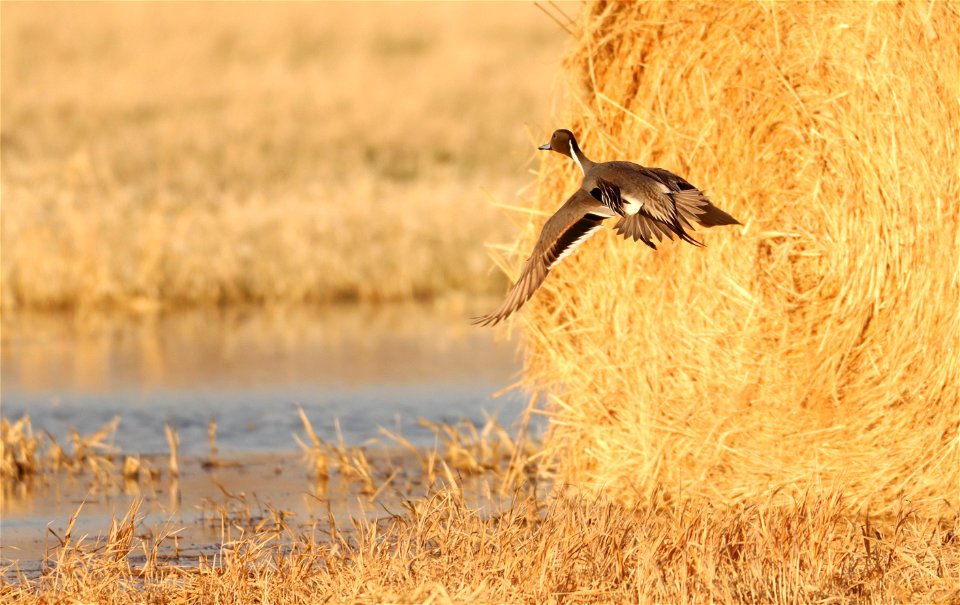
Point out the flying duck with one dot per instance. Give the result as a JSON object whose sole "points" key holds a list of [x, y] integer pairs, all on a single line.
{"points": [[649, 203]]}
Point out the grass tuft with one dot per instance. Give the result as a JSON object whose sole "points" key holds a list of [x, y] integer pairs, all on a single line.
{"points": [[572, 547]]}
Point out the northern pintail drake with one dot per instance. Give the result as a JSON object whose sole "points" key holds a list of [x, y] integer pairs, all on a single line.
{"points": [[649, 204]]}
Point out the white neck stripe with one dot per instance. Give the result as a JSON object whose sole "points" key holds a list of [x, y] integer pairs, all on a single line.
{"points": [[573, 154]]}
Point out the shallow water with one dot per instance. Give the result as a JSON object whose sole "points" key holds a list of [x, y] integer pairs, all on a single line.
{"points": [[209, 504], [366, 366]]}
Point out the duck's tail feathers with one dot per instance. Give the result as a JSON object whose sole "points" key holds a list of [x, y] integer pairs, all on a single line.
{"points": [[714, 217], [694, 206]]}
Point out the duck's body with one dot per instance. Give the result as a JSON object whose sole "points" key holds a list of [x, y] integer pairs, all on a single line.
{"points": [[651, 204]]}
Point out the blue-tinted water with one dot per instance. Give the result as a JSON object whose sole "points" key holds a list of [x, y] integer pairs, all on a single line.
{"points": [[250, 370]]}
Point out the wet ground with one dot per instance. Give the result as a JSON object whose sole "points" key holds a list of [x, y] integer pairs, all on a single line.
{"points": [[208, 505], [248, 372]]}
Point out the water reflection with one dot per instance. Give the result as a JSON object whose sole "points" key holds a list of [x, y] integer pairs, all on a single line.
{"points": [[348, 344], [194, 503], [249, 369]]}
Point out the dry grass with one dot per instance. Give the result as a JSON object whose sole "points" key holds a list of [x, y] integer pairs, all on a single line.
{"points": [[159, 156], [569, 549], [461, 450], [25, 454], [450, 542], [818, 347]]}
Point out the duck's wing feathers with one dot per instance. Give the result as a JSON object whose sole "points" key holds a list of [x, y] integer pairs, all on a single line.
{"points": [[655, 204], [692, 202], [643, 228], [575, 221], [647, 209]]}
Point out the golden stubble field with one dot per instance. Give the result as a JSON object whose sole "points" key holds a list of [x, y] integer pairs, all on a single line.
{"points": [[156, 156], [476, 527], [770, 420]]}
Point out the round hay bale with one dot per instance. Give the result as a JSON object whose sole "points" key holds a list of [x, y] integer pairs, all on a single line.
{"points": [[818, 346]]}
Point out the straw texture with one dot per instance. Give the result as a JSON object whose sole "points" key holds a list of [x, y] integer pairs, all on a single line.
{"points": [[814, 348]]}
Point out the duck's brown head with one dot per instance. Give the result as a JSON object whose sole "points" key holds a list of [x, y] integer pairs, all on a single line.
{"points": [[563, 142]]}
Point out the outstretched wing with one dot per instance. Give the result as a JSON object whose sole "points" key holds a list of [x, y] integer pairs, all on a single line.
{"points": [[575, 221]]}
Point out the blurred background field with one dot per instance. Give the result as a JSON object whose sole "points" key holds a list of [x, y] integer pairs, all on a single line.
{"points": [[204, 208], [161, 155]]}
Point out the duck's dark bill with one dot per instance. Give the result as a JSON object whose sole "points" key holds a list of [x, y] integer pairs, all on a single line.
{"points": [[545, 147]]}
